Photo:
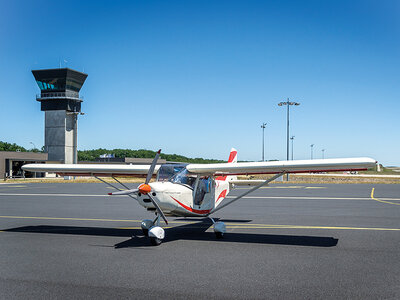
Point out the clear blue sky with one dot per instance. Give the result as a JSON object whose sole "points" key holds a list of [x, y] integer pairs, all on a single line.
{"points": [[199, 77]]}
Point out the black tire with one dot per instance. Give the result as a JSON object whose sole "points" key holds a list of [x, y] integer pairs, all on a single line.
{"points": [[219, 235], [145, 232], [155, 241]]}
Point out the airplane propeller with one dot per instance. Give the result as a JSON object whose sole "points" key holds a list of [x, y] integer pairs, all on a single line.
{"points": [[145, 188]]}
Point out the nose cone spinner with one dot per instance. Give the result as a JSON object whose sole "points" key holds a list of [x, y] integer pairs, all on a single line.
{"points": [[144, 188]]}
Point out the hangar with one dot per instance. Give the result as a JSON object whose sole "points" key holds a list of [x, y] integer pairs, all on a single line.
{"points": [[11, 162]]}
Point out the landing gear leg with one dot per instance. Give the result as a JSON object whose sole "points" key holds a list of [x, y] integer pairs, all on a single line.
{"points": [[219, 228]]}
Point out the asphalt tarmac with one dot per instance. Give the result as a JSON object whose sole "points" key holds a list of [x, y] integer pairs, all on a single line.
{"points": [[72, 241]]}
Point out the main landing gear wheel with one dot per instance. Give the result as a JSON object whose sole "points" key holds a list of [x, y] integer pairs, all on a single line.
{"points": [[145, 232], [219, 229], [219, 235]]}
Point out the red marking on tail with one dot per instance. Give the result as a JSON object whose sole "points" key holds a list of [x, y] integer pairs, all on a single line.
{"points": [[222, 195], [232, 156]]}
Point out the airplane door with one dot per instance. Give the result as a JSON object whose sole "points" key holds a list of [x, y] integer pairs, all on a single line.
{"points": [[202, 192]]}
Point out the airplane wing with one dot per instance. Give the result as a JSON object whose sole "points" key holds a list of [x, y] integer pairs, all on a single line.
{"points": [[241, 168], [100, 170], [275, 167]]}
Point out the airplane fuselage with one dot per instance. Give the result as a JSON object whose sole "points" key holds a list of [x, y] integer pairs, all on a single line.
{"points": [[182, 200]]}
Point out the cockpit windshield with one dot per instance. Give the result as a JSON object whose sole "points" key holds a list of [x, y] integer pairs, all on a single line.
{"points": [[185, 178], [167, 171]]}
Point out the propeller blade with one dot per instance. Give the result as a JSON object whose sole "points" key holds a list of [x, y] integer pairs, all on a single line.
{"points": [[152, 167], [126, 192], [158, 208]]}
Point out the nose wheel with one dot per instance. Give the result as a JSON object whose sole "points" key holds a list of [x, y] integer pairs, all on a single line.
{"points": [[155, 241], [153, 230]]}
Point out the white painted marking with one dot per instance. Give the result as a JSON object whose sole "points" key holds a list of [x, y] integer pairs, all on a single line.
{"points": [[314, 198], [58, 195], [248, 197]]}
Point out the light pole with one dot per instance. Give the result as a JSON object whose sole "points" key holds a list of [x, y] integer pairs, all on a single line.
{"points": [[292, 138], [34, 147], [288, 104], [263, 128], [312, 146], [323, 152]]}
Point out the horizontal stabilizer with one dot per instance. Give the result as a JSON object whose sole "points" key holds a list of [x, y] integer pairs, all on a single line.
{"points": [[246, 182]]}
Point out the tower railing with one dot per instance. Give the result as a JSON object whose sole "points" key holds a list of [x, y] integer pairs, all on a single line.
{"points": [[59, 95]]}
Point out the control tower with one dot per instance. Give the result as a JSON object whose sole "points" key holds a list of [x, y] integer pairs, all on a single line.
{"points": [[59, 99]]}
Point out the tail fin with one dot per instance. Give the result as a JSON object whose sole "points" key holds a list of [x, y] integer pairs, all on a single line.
{"points": [[222, 182], [233, 156], [232, 159]]}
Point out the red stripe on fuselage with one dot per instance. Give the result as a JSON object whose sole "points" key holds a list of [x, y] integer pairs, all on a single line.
{"points": [[196, 211]]}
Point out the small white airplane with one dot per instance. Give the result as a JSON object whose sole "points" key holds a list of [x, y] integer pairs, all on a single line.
{"points": [[195, 190]]}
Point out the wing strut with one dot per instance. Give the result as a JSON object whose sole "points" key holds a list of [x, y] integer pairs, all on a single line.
{"points": [[120, 182], [109, 184], [113, 186], [248, 192]]}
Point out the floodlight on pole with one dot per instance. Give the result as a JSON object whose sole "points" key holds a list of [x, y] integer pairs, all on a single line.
{"points": [[292, 138], [312, 146], [288, 104], [263, 128]]}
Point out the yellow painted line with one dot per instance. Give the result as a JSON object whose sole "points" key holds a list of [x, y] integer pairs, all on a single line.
{"points": [[229, 225], [373, 198], [293, 227], [140, 227], [316, 227], [274, 187], [87, 219]]}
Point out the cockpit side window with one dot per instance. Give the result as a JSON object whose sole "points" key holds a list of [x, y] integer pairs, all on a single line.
{"points": [[203, 187], [185, 178]]}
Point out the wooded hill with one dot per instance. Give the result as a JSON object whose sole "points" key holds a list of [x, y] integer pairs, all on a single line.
{"points": [[91, 155]]}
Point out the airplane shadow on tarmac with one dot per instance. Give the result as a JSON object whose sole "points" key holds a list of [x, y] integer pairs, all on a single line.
{"points": [[192, 231]]}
